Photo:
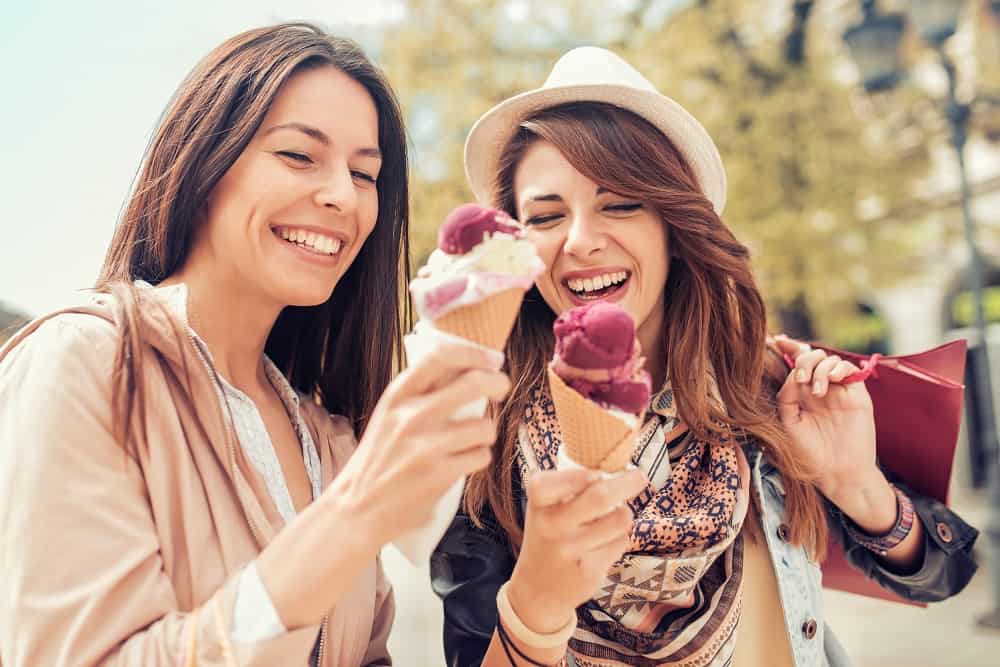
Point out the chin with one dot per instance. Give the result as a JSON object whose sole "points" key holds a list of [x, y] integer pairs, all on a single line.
{"points": [[305, 297]]}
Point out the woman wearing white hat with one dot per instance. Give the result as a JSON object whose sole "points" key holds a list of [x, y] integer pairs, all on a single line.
{"points": [[714, 563]]}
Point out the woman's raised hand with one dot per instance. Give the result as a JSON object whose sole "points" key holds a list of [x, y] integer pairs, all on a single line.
{"points": [[831, 423], [412, 450], [577, 525]]}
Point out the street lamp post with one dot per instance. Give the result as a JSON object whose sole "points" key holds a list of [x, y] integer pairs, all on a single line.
{"points": [[874, 44]]}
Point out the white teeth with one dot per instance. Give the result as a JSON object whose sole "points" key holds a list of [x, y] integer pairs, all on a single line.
{"points": [[319, 242], [596, 283]]}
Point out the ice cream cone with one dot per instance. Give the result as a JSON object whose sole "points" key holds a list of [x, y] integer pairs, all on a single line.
{"points": [[487, 322], [593, 436]]}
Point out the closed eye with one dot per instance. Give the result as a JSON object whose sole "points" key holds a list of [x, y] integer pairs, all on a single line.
{"points": [[541, 219], [623, 208], [364, 176], [301, 158]]}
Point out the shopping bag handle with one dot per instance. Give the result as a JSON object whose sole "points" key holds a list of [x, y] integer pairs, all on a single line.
{"points": [[867, 368]]}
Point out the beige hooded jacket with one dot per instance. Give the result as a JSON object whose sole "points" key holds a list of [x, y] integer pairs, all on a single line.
{"points": [[109, 558]]}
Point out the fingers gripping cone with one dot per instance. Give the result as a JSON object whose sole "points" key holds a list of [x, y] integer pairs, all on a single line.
{"points": [[469, 293]]}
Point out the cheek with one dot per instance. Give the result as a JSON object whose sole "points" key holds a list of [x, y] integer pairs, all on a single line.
{"points": [[251, 187], [655, 257], [367, 214], [547, 246]]}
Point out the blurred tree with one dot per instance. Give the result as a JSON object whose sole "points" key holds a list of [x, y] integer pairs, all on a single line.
{"points": [[807, 168], [986, 60]]}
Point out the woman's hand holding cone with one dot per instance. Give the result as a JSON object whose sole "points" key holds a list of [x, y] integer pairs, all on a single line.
{"points": [[412, 450], [577, 525]]}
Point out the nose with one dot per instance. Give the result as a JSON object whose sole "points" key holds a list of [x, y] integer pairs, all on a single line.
{"points": [[584, 236], [337, 191]]}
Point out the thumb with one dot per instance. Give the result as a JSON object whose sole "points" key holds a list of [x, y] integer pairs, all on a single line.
{"points": [[550, 487], [789, 406]]}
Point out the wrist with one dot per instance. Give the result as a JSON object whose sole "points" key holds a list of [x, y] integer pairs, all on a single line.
{"points": [[870, 502], [346, 503], [538, 614], [885, 542], [337, 545], [533, 647]]}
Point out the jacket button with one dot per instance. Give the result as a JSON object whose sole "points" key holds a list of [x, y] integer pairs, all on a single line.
{"points": [[784, 532], [809, 628], [944, 532]]}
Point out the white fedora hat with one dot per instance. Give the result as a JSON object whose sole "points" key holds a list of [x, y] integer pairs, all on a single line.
{"points": [[592, 74]]}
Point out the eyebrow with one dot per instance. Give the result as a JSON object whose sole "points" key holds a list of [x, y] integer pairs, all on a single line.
{"points": [[555, 197], [320, 136]]}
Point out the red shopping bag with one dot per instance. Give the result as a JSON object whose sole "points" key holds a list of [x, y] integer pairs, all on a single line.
{"points": [[917, 401]]}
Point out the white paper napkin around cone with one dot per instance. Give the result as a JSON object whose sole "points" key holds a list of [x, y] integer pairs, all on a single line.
{"points": [[418, 544]]}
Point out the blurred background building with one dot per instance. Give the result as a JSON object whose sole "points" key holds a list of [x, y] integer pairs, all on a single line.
{"points": [[846, 187]]}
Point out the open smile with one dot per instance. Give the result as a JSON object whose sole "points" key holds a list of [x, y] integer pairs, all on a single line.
{"points": [[318, 246], [584, 287], [317, 243]]}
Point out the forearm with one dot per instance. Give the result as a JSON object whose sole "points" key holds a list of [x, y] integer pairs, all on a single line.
{"points": [[333, 542]]}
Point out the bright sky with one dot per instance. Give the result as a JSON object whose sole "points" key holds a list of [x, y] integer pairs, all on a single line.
{"points": [[85, 84]]}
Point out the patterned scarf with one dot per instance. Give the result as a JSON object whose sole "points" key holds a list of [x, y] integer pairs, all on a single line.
{"points": [[674, 598]]}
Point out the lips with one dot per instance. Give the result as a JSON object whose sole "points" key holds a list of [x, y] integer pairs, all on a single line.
{"points": [[307, 239], [596, 284]]}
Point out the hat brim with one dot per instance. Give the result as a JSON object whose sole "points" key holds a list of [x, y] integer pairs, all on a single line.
{"points": [[490, 134]]}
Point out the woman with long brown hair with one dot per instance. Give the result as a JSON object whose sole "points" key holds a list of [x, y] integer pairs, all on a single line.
{"points": [[710, 555], [200, 464]]}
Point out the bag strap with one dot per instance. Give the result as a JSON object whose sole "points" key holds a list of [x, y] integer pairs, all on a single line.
{"points": [[868, 368]]}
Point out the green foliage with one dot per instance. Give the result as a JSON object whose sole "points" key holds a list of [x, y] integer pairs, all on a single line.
{"points": [[808, 170], [861, 333], [963, 312]]}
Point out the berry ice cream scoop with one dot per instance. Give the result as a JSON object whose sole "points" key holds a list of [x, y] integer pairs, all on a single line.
{"points": [[598, 355], [473, 283], [598, 383], [469, 224]]}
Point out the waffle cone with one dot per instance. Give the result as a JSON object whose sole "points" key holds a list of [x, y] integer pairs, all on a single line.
{"points": [[487, 322], [592, 436]]}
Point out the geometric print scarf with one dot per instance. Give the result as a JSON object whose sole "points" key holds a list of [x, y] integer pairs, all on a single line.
{"points": [[674, 597]]}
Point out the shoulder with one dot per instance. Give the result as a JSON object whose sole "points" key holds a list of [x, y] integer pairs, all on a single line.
{"points": [[65, 339]]}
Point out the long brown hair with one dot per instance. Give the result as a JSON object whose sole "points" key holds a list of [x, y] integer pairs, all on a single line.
{"points": [[343, 351], [715, 315]]}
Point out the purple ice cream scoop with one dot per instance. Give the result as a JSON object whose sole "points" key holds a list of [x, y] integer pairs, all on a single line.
{"points": [[465, 227], [597, 354]]}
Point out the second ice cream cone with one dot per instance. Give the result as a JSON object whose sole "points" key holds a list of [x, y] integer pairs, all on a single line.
{"points": [[593, 436], [487, 322]]}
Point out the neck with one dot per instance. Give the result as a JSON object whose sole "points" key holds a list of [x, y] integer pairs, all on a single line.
{"points": [[232, 323]]}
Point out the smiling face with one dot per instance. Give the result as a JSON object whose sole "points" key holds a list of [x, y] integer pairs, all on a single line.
{"points": [[287, 219], [596, 244]]}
